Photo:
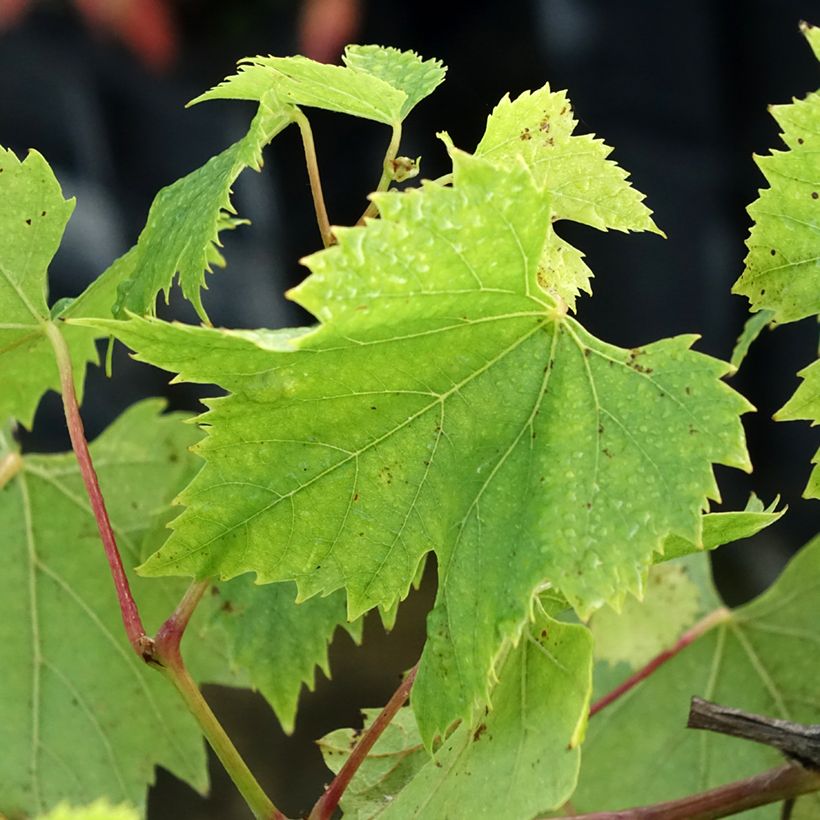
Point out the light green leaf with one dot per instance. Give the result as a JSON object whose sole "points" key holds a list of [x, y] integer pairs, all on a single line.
{"points": [[403, 70], [782, 268], [181, 235], [724, 528], [278, 642], [301, 81], [805, 404], [751, 330], [33, 216], [393, 762], [642, 629], [519, 759], [82, 716], [98, 810], [537, 129], [761, 659], [445, 404]]}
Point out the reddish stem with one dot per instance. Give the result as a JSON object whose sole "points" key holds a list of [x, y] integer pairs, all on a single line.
{"points": [[327, 803], [128, 607], [169, 635], [771, 786], [711, 620]]}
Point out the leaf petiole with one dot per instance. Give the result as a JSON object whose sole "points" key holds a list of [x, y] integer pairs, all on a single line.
{"points": [[315, 179], [387, 172]]}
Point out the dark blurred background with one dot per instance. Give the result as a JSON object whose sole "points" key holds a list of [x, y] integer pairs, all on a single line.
{"points": [[680, 90]]}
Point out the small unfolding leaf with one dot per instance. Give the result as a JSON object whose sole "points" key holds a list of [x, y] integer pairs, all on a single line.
{"points": [[181, 235], [537, 129], [751, 330], [403, 70]]}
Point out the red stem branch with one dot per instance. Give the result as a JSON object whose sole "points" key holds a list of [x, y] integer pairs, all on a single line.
{"points": [[327, 803], [771, 786], [169, 635], [711, 620], [128, 607]]}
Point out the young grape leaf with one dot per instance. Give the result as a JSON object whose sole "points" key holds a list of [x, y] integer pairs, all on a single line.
{"points": [[33, 216], [376, 83], [404, 70], [83, 717], [805, 404], [181, 234], [519, 759], [724, 528], [98, 810], [301, 81], [280, 643], [782, 268], [444, 404], [756, 660], [537, 127], [752, 328], [393, 762]]}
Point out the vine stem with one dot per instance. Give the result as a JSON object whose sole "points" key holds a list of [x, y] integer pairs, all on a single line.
{"points": [[162, 653], [713, 619], [167, 657], [772, 786], [387, 172], [327, 803], [134, 629], [313, 176]]}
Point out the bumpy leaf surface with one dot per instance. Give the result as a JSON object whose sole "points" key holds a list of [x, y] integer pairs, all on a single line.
{"points": [[381, 84], [33, 216], [445, 404], [805, 404], [82, 716], [537, 128], [761, 659], [279, 643], [181, 235], [782, 271], [519, 759]]}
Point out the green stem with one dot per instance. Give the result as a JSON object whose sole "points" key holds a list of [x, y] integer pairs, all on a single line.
{"points": [[252, 793], [128, 607], [327, 803], [772, 786], [315, 179], [387, 172]]}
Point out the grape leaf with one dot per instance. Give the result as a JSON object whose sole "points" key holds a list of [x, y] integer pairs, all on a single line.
{"points": [[644, 628], [517, 760], [181, 234], [84, 718], [404, 70], [444, 404], [805, 404], [782, 268], [537, 127], [302, 81], [98, 810], [756, 660], [33, 216], [280, 643], [752, 328]]}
